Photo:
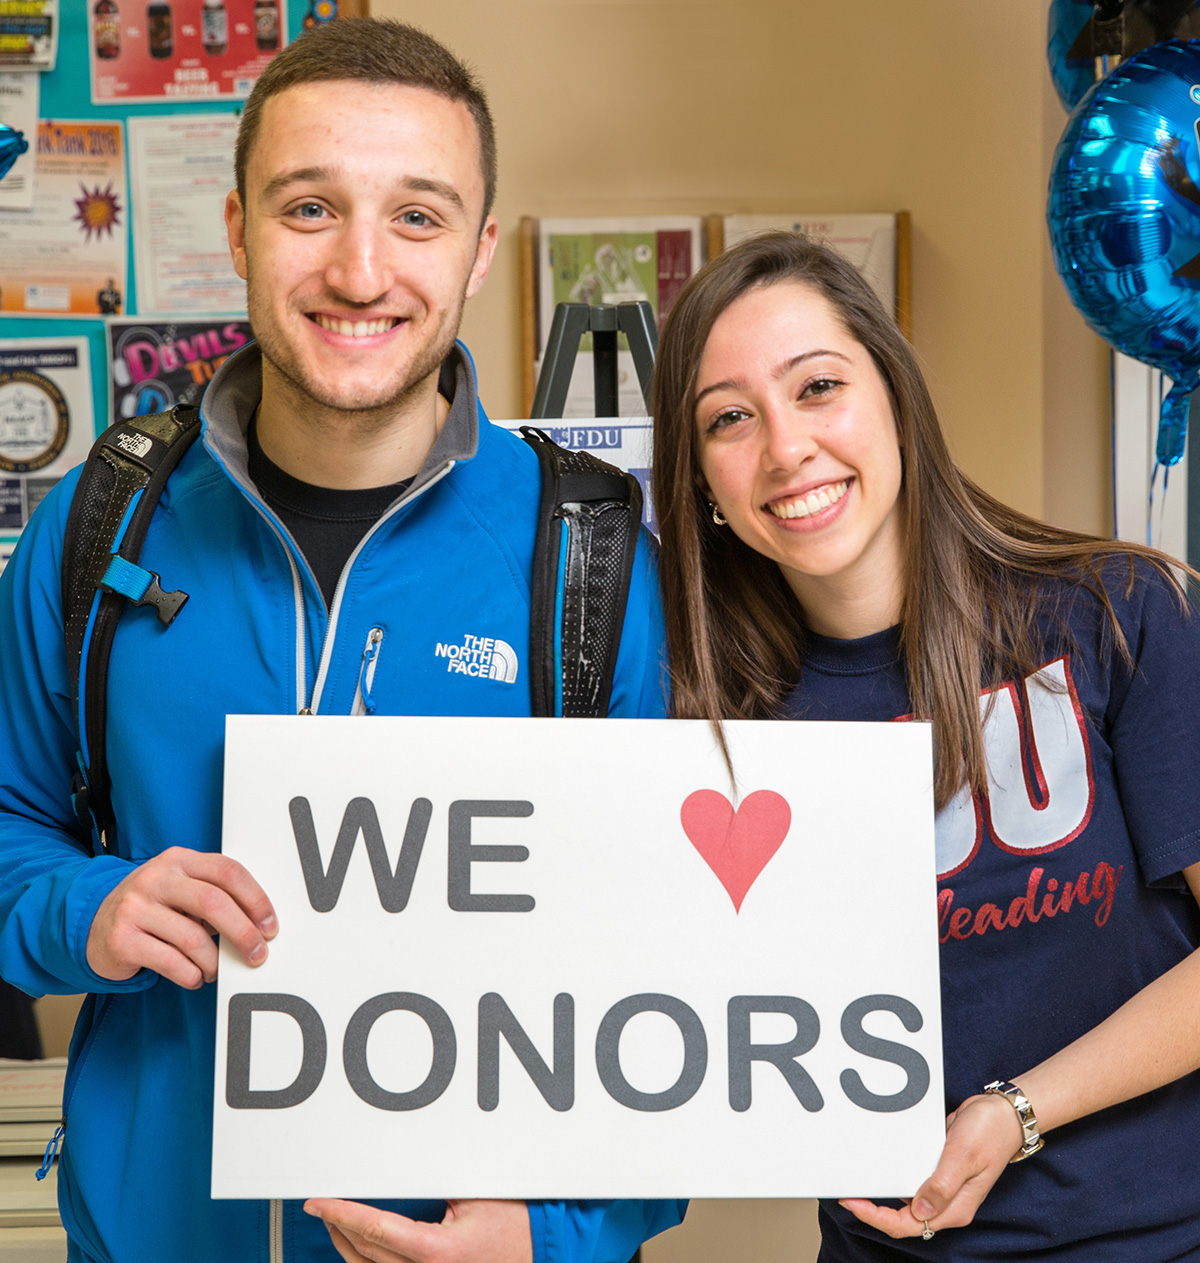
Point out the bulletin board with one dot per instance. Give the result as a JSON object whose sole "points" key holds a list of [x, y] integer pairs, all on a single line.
{"points": [[58, 378]]}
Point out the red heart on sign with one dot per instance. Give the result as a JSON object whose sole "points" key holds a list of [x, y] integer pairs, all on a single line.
{"points": [[736, 845]]}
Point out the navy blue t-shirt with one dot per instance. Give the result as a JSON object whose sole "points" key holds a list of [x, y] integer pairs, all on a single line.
{"points": [[1059, 897]]}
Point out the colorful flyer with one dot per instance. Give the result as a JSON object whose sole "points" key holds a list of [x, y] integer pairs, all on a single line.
{"points": [[154, 365], [67, 254], [181, 171], [47, 425], [19, 93], [613, 261], [173, 49], [867, 241], [28, 34]]}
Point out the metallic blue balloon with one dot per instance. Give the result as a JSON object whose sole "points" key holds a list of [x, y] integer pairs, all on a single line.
{"points": [[1072, 76], [1124, 216], [12, 145]]}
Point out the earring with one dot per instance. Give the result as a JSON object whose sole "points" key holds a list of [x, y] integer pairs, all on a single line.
{"points": [[717, 516]]}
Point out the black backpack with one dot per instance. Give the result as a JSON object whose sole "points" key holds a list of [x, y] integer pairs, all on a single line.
{"points": [[587, 533]]}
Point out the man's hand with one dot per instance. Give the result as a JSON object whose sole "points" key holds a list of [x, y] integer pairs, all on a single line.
{"points": [[164, 914], [471, 1232], [981, 1137]]}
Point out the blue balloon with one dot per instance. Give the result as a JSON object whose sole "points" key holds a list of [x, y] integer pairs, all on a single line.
{"points": [[12, 145], [1124, 217], [1072, 76]]}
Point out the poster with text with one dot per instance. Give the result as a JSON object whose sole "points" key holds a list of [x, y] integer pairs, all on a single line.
{"points": [[867, 241], [550, 958], [154, 365], [28, 34], [67, 254], [181, 49], [19, 93], [181, 172], [626, 442], [47, 425], [612, 261]]}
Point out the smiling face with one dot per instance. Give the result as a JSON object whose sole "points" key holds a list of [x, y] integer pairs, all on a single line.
{"points": [[359, 241], [798, 447]]}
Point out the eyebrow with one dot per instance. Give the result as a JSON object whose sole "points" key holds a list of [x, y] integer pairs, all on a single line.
{"points": [[317, 175], [781, 370]]}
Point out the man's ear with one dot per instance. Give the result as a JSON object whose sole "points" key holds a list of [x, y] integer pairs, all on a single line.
{"points": [[483, 255], [235, 227]]}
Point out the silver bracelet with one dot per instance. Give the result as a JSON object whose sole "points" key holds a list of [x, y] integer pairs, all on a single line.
{"points": [[1031, 1138]]}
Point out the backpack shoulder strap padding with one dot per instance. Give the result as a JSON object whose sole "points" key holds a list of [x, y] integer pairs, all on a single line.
{"points": [[588, 522], [117, 493]]}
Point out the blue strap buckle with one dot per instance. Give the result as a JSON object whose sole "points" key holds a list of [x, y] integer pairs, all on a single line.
{"points": [[142, 587]]}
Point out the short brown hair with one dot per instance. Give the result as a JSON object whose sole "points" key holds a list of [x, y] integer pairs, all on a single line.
{"points": [[370, 50]]}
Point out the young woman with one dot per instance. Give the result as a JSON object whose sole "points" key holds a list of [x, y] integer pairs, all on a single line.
{"points": [[823, 558]]}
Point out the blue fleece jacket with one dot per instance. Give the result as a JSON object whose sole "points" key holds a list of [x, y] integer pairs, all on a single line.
{"points": [[451, 559]]}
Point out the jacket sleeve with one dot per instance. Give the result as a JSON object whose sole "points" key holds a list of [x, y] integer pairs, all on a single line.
{"points": [[640, 686], [597, 1232], [50, 884]]}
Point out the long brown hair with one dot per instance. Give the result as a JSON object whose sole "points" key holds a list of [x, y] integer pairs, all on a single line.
{"points": [[979, 573]]}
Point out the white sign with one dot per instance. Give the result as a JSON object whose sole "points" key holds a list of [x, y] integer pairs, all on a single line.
{"points": [[547, 958]]}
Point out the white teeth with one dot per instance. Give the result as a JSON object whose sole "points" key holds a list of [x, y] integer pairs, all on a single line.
{"points": [[813, 502], [355, 328]]}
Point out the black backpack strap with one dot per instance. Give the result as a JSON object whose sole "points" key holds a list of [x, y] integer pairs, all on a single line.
{"points": [[587, 534], [114, 501]]}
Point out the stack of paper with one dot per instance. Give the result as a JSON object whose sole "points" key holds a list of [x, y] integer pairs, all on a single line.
{"points": [[30, 1109]]}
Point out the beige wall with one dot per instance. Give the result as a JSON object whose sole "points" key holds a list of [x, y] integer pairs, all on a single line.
{"points": [[939, 107]]}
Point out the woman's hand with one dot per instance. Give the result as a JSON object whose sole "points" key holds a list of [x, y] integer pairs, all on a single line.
{"points": [[981, 1137], [471, 1232]]}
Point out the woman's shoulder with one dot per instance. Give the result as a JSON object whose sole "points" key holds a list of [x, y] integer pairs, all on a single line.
{"points": [[1121, 595]]}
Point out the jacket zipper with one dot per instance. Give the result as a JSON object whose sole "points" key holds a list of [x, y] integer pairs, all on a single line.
{"points": [[336, 608], [276, 1245], [364, 703], [309, 706]]}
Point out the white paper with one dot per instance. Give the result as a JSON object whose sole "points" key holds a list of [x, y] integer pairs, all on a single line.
{"points": [[611, 818], [182, 170], [47, 422], [19, 109], [867, 241]]}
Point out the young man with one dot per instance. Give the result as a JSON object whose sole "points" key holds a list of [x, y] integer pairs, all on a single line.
{"points": [[347, 510]]}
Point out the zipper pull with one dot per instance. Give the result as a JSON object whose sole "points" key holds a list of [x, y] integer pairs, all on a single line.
{"points": [[366, 675], [51, 1151], [304, 710]]}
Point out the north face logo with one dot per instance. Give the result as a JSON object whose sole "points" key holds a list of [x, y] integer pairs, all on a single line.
{"points": [[135, 444], [481, 656]]}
